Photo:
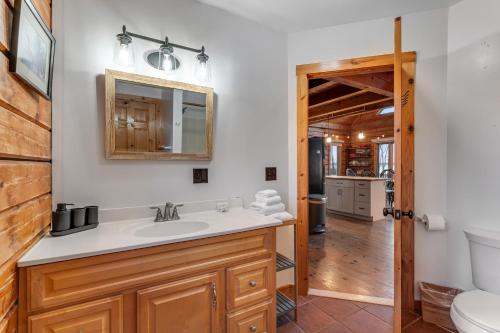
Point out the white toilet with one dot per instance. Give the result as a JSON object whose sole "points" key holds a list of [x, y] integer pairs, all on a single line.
{"points": [[478, 311]]}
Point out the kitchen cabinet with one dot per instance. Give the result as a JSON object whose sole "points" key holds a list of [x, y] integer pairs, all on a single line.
{"points": [[358, 197]]}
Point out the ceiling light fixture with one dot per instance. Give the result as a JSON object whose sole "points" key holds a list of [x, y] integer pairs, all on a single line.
{"points": [[164, 59]]}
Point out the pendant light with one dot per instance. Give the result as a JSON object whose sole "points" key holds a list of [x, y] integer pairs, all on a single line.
{"points": [[124, 51], [361, 135], [202, 70]]}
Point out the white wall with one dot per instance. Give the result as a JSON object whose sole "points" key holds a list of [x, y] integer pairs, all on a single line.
{"points": [[425, 33], [249, 80], [473, 127]]}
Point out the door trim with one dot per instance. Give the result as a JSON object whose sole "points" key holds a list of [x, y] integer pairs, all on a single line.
{"points": [[363, 65]]}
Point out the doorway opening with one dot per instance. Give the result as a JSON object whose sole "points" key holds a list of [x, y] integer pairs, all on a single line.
{"points": [[402, 64], [351, 168]]}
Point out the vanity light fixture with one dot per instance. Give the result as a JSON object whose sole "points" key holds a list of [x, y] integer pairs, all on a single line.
{"points": [[164, 59]]}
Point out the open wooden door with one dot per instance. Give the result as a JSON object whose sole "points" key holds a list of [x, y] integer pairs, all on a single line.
{"points": [[404, 182]]}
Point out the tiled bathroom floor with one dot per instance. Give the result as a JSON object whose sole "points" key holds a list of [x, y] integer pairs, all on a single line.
{"points": [[329, 315]]}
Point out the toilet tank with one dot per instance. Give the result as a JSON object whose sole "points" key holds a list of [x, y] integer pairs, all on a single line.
{"points": [[485, 258]]}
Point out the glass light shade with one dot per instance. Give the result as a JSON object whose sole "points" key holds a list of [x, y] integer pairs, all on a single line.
{"points": [[361, 135], [202, 70], [124, 54]]}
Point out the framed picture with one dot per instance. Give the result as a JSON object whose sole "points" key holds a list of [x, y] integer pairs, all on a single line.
{"points": [[32, 48]]}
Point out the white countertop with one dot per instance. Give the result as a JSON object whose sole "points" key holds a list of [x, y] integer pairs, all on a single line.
{"points": [[371, 179], [111, 237]]}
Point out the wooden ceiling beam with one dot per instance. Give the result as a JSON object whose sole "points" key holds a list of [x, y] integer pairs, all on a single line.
{"points": [[380, 83], [350, 113], [337, 99], [366, 99], [322, 87]]}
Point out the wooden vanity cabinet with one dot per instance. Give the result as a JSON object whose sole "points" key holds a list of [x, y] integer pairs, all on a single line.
{"points": [[213, 285]]}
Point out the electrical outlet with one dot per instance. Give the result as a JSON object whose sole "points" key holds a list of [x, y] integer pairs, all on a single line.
{"points": [[270, 174], [200, 176]]}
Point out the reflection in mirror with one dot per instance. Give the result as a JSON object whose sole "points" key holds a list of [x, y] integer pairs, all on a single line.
{"points": [[152, 120]]}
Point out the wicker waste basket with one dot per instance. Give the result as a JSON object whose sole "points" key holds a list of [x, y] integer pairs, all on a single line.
{"points": [[436, 304]]}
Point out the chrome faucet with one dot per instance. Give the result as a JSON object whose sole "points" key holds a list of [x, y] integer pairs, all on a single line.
{"points": [[166, 215]]}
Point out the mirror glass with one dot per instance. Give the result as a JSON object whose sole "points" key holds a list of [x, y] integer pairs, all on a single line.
{"points": [[159, 119]]}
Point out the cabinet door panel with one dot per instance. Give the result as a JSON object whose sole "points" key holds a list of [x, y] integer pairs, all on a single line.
{"points": [[193, 305], [347, 200], [334, 194], [104, 316]]}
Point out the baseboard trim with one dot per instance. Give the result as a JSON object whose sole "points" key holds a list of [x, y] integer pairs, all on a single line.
{"points": [[352, 297]]}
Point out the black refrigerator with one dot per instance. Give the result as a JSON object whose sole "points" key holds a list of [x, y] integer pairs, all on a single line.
{"points": [[317, 199]]}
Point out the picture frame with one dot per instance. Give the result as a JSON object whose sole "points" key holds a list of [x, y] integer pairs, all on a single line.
{"points": [[32, 48]]}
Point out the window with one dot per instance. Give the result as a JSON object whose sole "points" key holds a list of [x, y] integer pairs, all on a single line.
{"points": [[335, 160], [385, 157]]}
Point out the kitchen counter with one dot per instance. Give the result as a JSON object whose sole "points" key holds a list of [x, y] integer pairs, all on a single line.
{"points": [[356, 178], [118, 236]]}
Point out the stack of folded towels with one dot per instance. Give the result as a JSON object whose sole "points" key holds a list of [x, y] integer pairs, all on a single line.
{"points": [[268, 202]]}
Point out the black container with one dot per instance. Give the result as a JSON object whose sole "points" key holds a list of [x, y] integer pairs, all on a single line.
{"points": [[61, 218], [77, 217], [91, 215]]}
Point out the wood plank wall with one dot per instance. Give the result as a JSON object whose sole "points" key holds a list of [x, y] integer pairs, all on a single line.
{"points": [[25, 167]]}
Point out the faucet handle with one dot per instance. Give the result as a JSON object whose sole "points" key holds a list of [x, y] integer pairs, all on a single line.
{"points": [[175, 214], [159, 216]]}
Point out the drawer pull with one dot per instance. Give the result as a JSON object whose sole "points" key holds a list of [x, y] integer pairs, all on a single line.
{"points": [[361, 208], [362, 195], [253, 283], [253, 328]]}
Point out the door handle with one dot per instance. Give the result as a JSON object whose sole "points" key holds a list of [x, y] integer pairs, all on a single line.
{"points": [[214, 295], [397, 214]]}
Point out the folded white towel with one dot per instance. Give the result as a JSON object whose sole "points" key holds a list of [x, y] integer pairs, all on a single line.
{"points": [[267, 193], [269, 201], [267, 210], [283, 216]]}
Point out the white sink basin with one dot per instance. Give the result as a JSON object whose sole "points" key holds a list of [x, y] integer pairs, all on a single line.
{"points": [[170, 228]]}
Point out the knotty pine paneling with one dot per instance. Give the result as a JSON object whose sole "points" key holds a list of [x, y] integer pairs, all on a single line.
{"points": [[21, 223], [25, 168], [5, 19], [23, 181], [22, 138]]}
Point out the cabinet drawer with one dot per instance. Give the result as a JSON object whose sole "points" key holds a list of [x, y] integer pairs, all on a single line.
{"points": [[362, 208], [362, 195], [250, 283], [104, 315], [362, 184], [258, 319], [341, 183]]}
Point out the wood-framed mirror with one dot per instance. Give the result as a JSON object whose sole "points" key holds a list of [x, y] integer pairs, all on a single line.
{"points": [[149, 118]]}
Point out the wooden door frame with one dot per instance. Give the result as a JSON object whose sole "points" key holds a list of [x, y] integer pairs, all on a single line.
{"points": [[404, 232]]}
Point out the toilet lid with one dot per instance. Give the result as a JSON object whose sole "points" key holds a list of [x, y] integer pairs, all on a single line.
{"points": [[480, 308]]}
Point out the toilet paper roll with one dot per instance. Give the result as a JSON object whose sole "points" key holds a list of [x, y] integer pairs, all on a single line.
{"points": [[434, 222]]}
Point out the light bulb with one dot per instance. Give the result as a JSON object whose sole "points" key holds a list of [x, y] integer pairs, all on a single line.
{"points": [[361, 135], [202, 71], [329, 139], [124, 51]]}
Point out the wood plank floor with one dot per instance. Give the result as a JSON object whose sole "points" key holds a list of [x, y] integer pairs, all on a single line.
{"points": [[330, 315], [353, 257]]}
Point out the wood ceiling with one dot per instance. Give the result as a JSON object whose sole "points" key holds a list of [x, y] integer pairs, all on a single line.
{"points": [[335, 97]]}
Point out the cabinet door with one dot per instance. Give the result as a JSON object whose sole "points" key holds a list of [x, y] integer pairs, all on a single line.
{"points": [[104, 316], [347, 200], [192, 305], [256, 319], [334, 201]]}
